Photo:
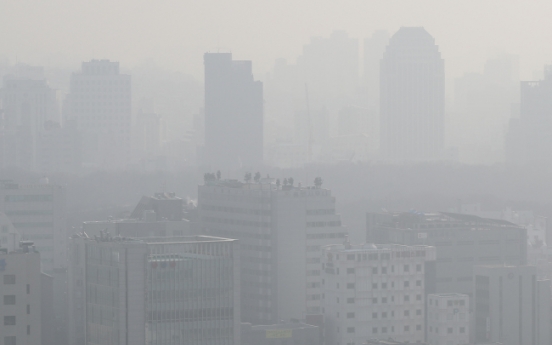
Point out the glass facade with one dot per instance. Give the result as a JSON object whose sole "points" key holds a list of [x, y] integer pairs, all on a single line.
{"points": [[190, 294]]}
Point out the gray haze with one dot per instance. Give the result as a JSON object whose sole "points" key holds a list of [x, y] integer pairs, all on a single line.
{"points": [[287, 173]]}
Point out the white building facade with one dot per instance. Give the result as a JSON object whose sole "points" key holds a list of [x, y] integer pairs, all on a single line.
{"points": [[448, 321], [374, 292]]}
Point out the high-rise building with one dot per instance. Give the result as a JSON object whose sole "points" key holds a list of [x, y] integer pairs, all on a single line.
{"points": [[27, 105], [412, 97], [374, 291], [511, 306], [448, 319], [99, 103], [157, 290], [529, 137], [37, 211], [281, 231], [461, 241], [233, 112]]}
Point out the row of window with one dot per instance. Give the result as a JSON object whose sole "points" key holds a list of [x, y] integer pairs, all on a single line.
{"points": [[383, 285], [406, 298], [384, 330], [323, 224], [28, 198], [450, 330], [324, 236], [406, 268]]}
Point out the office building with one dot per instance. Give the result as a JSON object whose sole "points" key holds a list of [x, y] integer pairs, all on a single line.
{"points": [[27, 105], [448, 319], [59, 149], [21, 291], [529, 137], [412, 97], [233, 113], [281, 231], [461, 241], [374, 291], [37, 211], [297, 333], [153, 291], [511, 306], [99, 103]]}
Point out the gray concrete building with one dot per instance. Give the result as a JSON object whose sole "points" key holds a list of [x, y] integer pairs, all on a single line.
{"points": [[374, 292], [461, 242], [448, 319], [412, 97], [233, 112], [154, 291], [511, 306], [99, 104], [21, 294], [281, 232]]}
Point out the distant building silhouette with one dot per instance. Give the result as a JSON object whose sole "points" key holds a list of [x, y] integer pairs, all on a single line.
{"points": [[99, 103], [529, 137], [233, 112], [412, 96]]}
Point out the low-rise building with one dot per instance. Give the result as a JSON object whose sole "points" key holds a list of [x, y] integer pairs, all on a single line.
{"points": [[374, 292], [448, 319]]}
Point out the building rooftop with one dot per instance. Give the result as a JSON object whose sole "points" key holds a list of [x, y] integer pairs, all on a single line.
{"points": [[350, 248]]}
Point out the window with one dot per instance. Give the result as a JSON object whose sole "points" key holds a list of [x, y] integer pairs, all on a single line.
{"points": [[384, 285], [418, 283], [384, 270], [9, 279], [462, 329], [418, 327], [9, 299], [28, 329], [419, 298], [350, 285], [384, 330], [462, 302], [9, 320], [374, 315], [449, 330], [449, 303], [374, 285], [374, 330], [337, 300], [28, 308], [351, 270], [374, 270], [28, 289], [350, 330], [407, 298], [374, 300], [407, 313], [406, 268], [384, 300], [407, 328], [350, 315], [418, 268], [384, 315], [418, 311], [351, 257], [406, 284], [351, 300], [9, 340], [430, 329]]}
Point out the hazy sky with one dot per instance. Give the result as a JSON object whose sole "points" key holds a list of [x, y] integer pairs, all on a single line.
{"points": [[176, 33]]}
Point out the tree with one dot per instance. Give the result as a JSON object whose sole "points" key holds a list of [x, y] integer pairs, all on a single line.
{"points": [[257, 177], [278, 183], [290, 181], [318, 182], [218, 174], [208, 177], [285, 182], [247, 177]]}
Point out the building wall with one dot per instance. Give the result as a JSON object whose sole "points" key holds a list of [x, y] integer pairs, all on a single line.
{"points": [[506, 300], [24, 268], [448, 318], [374, 292]]}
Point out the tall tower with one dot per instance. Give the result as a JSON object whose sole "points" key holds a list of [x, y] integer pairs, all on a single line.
{"points": [[233, 112], [100, 106], [412, 97]]}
